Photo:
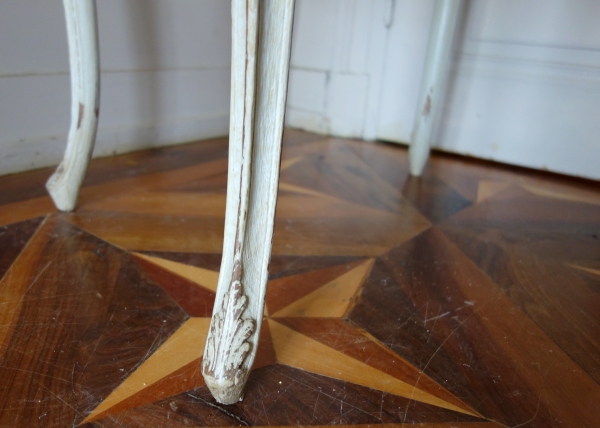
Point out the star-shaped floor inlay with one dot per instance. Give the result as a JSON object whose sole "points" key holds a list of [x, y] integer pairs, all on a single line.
{"points": [[305, 327]]}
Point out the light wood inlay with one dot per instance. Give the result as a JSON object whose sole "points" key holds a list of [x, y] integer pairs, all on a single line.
{"points": [[297, 189], [300, 351], [332, 299], [286, 163], [203, 277], [494, 309], [489, 188], [585, 269], [163, 203], [24, 210], [565, 194], [18, 280], [185, 346]]}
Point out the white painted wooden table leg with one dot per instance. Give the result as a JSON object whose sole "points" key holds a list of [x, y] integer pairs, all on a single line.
{"points": [[82, 32], [260, 63], [437, 71]]}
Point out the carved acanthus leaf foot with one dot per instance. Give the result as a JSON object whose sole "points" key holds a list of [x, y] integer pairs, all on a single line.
{"points": [[227, 347]]}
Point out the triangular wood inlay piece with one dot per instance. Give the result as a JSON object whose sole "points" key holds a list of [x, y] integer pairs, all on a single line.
{"points": [[204, 277], [300, 351], [265, 353], [19, 278], [488, 188], [282, 292], [567, 194], [26, 210], [13, 238], [297, 189], [343, 337], [332, 299], [186, 378], [585, 269], [195, 300], [286, 163], [184, 347]]}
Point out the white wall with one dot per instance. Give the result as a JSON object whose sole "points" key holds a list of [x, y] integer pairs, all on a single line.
{"points": [[525, 87], [338, 48], [165, 76]]}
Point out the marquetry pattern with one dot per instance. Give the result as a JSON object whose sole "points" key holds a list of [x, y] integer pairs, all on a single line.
{"points": [[466, 298]]}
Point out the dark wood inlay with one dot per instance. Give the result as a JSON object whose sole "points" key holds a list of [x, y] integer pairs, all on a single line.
{"points": [[523, 244], [195, 300], [344, 337], [497, 303], [433, 198], [281, 265], [13, 238], [386, 311], [278, 395], [339, 172], [505, 357], [88, 317], [210, 261]]}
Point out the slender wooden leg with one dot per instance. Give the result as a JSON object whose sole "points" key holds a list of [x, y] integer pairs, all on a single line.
{"points": [[437, 71], [64, 184], [260, 63]]}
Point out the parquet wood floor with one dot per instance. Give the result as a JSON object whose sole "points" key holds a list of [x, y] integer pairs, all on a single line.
{"points": [[467, 298]]}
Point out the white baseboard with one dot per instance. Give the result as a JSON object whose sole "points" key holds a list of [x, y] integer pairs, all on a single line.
{"points": [[23, 155]]}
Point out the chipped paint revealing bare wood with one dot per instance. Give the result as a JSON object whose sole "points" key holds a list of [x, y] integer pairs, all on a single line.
{"points": [[80, 116], [259, 71], [427, 107], [437, 69]]}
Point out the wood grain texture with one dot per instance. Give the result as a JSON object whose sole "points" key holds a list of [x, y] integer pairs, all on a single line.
{"points": [[298, 350], [493, 309], [13, 239], [522, 243], [195, 299], [25, 210], [86, 316], [168, 365], [342, 336], [333, 299], [483, 331], [284, 291]]}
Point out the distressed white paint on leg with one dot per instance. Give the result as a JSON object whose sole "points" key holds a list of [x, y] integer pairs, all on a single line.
{"points": [[260, 64], [82, 32], [437, 70]]}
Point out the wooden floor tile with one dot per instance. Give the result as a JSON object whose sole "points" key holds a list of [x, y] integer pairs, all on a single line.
{"points": [[332, 299], [521, 241], [297, 350], [194, 298], [284, 291], [502, 354], [25, 210], [466, 298], [433, 198], [13, 239], [340, 173], [84, 316]]}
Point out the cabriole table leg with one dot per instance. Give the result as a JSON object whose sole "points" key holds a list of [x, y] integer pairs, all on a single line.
{"points": [[82, 32], [260, 63]]}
